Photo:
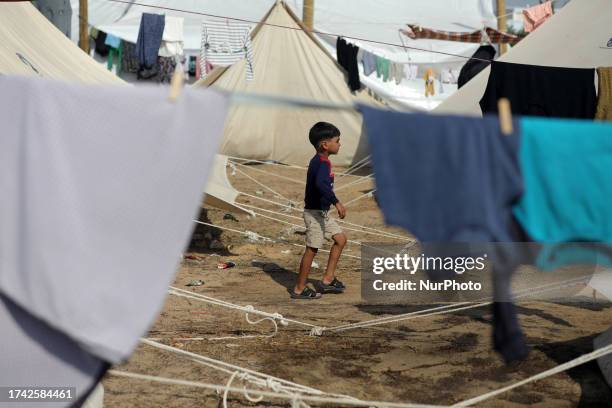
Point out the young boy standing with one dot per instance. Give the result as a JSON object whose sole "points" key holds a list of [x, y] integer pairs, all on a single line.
{"points": [[319, 196]]}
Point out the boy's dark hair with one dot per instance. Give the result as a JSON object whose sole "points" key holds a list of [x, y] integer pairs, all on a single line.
{"points": [[322, 131]]}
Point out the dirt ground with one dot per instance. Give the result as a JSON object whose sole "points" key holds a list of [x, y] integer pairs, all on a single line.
{"points": [[434, 360]]}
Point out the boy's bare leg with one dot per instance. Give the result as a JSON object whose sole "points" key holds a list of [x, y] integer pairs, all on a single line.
{"points": [[305, 265], [334, 256]]}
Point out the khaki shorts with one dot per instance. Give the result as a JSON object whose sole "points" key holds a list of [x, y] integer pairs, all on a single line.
{"points": [[319, 227]]}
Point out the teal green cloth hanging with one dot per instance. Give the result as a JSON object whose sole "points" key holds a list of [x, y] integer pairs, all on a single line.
{"points": [[567, 172], [382, 68], [118, 53]]}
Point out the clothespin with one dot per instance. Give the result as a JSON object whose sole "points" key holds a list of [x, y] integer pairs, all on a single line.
{"points": [[176, 84], [505, 116]]}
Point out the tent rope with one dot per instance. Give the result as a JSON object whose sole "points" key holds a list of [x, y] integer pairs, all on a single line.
{"points": [[250, 234], [265, 186], [361, 244], [368, 194], [354, 166], [255, 377], [275, 163], [249, 309], [436, 310], [354, 182], [246, 309], [269, 162], [555, 370], [341, 221], [362, 163], [269, 173], [320, 398], [585, 358], [382, 234]]}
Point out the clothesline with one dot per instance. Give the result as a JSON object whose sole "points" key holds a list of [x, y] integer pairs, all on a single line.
{"points": [[293, 28]]}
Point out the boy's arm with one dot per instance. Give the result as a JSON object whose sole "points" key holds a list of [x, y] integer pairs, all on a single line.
{"points": [[324, 185]]}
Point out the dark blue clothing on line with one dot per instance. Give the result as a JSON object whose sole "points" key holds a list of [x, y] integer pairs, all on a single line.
{"points": [[149, 39], [319, 193], [444, 178], [451, 179]]}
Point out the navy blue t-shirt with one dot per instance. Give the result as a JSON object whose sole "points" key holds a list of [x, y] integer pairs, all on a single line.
{"points": [[319, 185]]}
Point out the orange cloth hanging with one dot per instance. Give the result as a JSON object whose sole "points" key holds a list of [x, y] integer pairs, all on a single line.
{"points": [[429, 82]]}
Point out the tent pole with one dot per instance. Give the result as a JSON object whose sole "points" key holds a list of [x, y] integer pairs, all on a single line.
{"points": [[308, 14], [83, 29], [501, 23]]}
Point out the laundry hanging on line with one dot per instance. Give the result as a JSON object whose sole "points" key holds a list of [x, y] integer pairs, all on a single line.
{"points": [[75, 223], [346, 55], [382, 68], [450, 179], [396, 72], [604, 94], [566, 166], [167, 66], [172, 38], [478, 61], [369, 62], [487, 34], [115, 53], [386, 69], [411, 71], [39, 354], [112, 41], [534, 17], [100, 39], [463, 189], [535, 90], [225, 43], [429, 78], [149, 40], [490, 187], [130, 62]]}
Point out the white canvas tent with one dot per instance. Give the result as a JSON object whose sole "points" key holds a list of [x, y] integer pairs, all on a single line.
{"points": [[577, 37], [31, 45], [290, 63]]}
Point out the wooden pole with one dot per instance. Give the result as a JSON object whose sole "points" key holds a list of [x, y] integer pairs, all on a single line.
{"points": [[308, 14], [501, 23], [83, 26]]}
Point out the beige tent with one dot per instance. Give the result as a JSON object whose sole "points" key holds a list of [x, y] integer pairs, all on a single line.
{"points": [[31, 45], [576, 37], [290, 63]]}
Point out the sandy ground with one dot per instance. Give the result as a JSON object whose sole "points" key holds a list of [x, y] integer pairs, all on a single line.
{"points": [[436, 360]]}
